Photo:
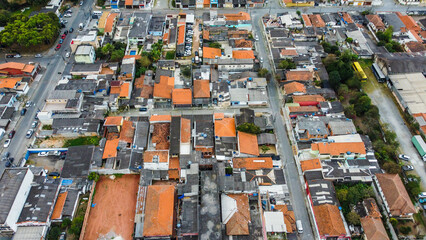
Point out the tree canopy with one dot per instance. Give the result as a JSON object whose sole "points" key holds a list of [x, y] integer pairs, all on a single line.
{"points": [[42, 28], [248, 128]]}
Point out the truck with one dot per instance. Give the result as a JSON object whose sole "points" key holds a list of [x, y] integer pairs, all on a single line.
{"points": [[420, 145]]}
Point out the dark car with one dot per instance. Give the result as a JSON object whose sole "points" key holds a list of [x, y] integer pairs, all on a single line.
{"points": [[11, 134], [196, 53], [66, 32], [10, 55], [6, 154], [7, 163], [54, 174], [23, 111], [143, 109], [71, 30]]}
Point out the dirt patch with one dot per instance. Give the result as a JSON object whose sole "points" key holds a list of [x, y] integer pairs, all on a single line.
{"points": [[51, 143], [50, 163], [114, 212]]}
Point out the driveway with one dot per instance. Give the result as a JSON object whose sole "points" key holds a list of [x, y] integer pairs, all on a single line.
{"points": [[389, 113]]}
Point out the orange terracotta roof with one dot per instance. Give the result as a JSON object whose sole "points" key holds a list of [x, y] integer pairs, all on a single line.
{"points": [[337, 148], [124, 90], [409, 22], [136, 57], [110, 149], [115, 90], [308, 98], [415, 46], [243, 54], [181, 35], [59, 206], [237, 16], [328, 220], [206, 35], [146, 91], [303, 109], [9, 82], [376, 21], [248, 143], [211, 53], [185, 130], [164, 88], [174, 163], [127, 132], [347, 17], [174, 173], [128, 3], [288, 52], [102, 19], [310, 164], [166, 36], [395, 193], [423, 34], [206, 2], [374, 228], [160, 118], [225, 127], [416, 36], [306, 20], [159, 211], [110, 22], [253, 163], [219, 115], [113, 121], [161, 156], [182, 96], [139, 82], [317, 20], [289, 218], [299, 75], [238, 223], [15, 65], [294, 87], [201, 88], [242, 43], [161, 135]]}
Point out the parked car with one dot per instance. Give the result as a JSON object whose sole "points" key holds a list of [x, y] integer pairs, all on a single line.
{"points": [[23, 111], [68, 54], [66, 32], [61, 41], [71, 30], [6, 155], [17, 55], [38, 55], [54, 174], [7, 163], [58, 47], [261, 59], [404, 157], [42, 154], [407, 168], [81, 3], [11, 134], [422, 195], [29, 133], [34, 124], [10, 55], [144, 109], [63, 36], [63, 234], [6, 143], [28, 104]]}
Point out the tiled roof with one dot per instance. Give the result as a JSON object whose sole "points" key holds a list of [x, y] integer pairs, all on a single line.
{"points": [[185, 130], [9, 82], [162, 156], [337, 148], [303, 109], [181, 34], [113, 121], [164, 88], [329, 220], [201, 88], [289, 218], [218, 115], [299, 76], [310, 164], [288, 52], [308, 98], [242, 43], [124, 90], [243, 54], [161, 135], [376, 21], [248, 143], [206, 35], [237, 16], [396, 196], [211, 53], [306, 20], [182, 96], [416, 46], [127, 132], [136, 57], [15, 65], [373, 228], [146, 91], [238, 223], [253, 163], [110, 149], [409, 22], [159, 211], [110, 22], [160, 118], [317, 20], [59, 206], [102, 19], [347, 17], [294, 87], [225, 127], [128, 3]]}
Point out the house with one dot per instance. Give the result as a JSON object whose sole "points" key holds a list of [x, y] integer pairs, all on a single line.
{"points": [[225, 136], [235, 214], [308, 100], [85, 37], [253, 163], [340, 149], [156, 25], [373, 228], [159, 212], [182, 97], [185, 136], [110, 24], [375, 22], [247, 144], [139, 28], [310, 129], [204, 135], [329, 222], [294, 88], [163, 89], [63, 101], [19, 85], [85, 54], [156, 160], [310, 165], [299, 75], [75, 127], [127, 70], [15, 184], [77, 162], [343, 127], [392, 191], [15, 69], [80, 69], [201, 92], [211, 53]]}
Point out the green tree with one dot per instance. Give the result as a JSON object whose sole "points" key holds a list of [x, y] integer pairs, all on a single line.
{"points": [[93, 176], [298, 12], [264, 149], [362, 105], [334, 79], [215, 45], [4, 17], [342, 194], [343, 89], [391, 167], [66, 223], [405, 230], [393, 221], [145, 62], [263, 72], [349, 40], [170, 55], [107, 49], [54, 233], [117, 55], [287, 64], [76, 225], [186, 71], [353, 218], [248, 128]]}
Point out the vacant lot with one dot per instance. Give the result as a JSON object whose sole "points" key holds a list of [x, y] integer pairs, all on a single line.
{"points": [[114, 213]]}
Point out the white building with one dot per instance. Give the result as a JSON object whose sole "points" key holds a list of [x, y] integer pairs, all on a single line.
{"points": [[85, 54]]}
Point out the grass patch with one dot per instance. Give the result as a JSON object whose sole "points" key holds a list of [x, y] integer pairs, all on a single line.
{"points": [[118, 175], [419, 218], [82, 141]]}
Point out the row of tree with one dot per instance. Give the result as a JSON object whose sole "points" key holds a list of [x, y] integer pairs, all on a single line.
{"points": [[42, 28]]}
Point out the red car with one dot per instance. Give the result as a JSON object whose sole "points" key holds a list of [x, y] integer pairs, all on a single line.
{"points": [[57, 47], [63, 36]]}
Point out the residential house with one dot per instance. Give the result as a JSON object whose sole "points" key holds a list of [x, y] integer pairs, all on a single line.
{"points": [[182, 97], [247, 145], [294, 88], [15, 69], [201, 92], [236, 214], [225, 136], [375, 22], [85, 37], [310, 130], [138, 28], [204, 135], [85, 54], [18, 85], [127, 70], [339, 150]]}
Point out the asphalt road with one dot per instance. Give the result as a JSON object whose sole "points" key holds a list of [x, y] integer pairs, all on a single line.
{"points": [[53, 63]]}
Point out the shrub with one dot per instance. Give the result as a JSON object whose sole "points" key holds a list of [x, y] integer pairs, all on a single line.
{"points": [[248, 128], [94, 176]]}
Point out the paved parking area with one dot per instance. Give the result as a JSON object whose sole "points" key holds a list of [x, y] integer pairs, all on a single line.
{"points": [[51, 163]]}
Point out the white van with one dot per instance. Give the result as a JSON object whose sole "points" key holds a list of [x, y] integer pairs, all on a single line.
{"points": [[299, 226]]}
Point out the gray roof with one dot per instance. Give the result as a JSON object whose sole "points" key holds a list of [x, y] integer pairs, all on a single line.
{"points": [[314, 127], [246, 116], [204, 125], [61, 125], [63, 94], [156, 24], [139, 28], [82, 67], [175, 136], [266, 139], [77, 161], [209, 207], [342, 127], [84, 50], [189, 215], [322, 192], [393, 20], [10, 183], [404, 62], [29, 232], [141, 134], [40, 201], [70, 203], [79, 85]]}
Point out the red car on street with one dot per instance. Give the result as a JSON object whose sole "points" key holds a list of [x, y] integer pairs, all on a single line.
{"points": [[63, 36], [58, 47]]}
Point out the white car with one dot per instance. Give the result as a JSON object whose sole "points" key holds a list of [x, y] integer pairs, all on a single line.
{"points": [[404, 157], [68, 55], [6, 143], [28, 104], [43, 154]]}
